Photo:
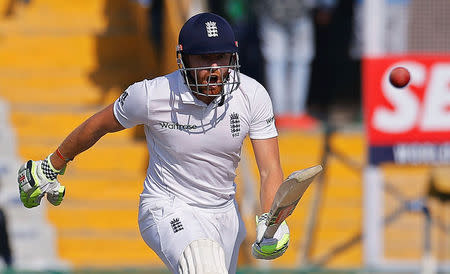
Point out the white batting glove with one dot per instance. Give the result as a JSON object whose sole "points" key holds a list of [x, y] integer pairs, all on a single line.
{"points": [[270, 248], [36, 178]]}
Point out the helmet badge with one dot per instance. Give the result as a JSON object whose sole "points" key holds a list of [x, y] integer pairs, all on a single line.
{"points": [[211, 29]]}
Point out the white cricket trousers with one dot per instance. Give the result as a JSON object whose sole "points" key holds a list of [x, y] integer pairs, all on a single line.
{"points": [[168, 225]]}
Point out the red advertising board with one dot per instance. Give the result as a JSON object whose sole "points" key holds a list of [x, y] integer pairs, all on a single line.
{"points": [[418, 114]]}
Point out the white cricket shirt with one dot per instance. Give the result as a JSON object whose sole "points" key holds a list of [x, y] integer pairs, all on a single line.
{"points": [[194, 148]]}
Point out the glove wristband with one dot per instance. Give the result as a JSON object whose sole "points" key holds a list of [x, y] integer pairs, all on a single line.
{"points": [[49, 171], [59, 154], [50, 164], [52, 168]]}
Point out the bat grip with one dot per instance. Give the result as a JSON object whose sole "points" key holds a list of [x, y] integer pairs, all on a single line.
{"points": [[270, 231]]}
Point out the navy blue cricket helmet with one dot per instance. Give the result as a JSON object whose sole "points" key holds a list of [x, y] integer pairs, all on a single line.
{"points": [[208, 33]]}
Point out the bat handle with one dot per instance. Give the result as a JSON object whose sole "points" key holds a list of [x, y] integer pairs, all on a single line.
{"points": [[270, 231]]}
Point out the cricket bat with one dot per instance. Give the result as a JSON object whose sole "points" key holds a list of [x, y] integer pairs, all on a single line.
{"points": [[287, 197]]}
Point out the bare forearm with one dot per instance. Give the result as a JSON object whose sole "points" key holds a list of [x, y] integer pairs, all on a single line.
{"points": [[269, 186], [81, 139], [268, 161], [85, 136]]}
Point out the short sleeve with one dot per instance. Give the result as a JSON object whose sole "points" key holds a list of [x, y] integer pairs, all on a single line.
{"points": [[131, 108], [262, 124]]}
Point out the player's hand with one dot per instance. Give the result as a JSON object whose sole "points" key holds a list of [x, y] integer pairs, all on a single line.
{"points": [[270, 248], [36, 178]]}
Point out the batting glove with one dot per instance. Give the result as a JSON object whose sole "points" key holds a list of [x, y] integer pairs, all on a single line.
{"points": [[270, 248], [36, 178]]}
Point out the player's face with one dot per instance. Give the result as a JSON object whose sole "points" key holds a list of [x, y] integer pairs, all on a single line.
{"points": [[211, 74]]}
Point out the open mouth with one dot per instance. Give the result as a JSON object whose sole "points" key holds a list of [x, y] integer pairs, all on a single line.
{"points": [[213, 84], [213, 79]]}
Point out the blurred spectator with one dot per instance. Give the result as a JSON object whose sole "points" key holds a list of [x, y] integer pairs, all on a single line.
{"points": [[5, 250], [7, 150], [156, 16], [397, 13], [335, 77], [357, 39], [241, 15], [287, 36]]}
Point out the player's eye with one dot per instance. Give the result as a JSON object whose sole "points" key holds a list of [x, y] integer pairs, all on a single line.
{"points": [[214, 57]]}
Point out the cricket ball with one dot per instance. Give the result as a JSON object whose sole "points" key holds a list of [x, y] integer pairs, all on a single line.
{"points": [[399, 77]]}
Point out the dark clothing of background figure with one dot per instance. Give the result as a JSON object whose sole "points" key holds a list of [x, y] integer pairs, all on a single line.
{"points": [[287, 44], [5, 250], [242, 18], [335, 78]]}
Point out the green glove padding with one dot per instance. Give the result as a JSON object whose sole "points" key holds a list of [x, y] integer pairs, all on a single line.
{"points": [[270, 248], [36, 178]]}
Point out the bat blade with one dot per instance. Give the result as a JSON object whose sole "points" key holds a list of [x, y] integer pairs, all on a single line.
{"points": [[287, 197]]}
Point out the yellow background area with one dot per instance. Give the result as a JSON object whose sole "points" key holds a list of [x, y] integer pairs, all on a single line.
{"points": [[61, 61]]}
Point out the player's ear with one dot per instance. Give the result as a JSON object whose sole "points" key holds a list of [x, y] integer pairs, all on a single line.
{"points": [[185, 58], [231, 59]]}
